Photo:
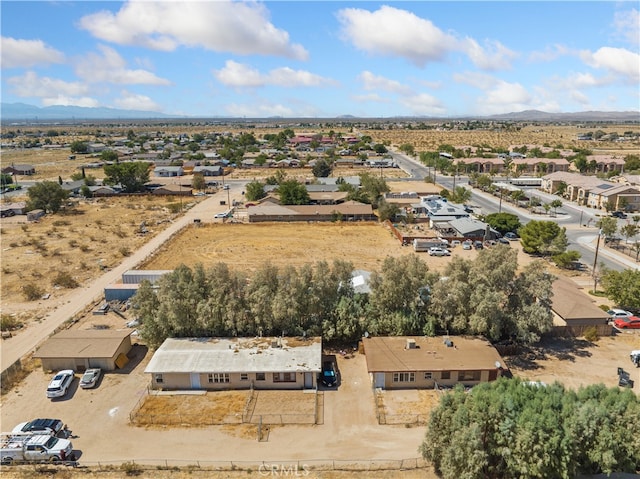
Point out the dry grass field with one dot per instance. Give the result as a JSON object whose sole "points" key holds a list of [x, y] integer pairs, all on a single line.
{"points": [[75, 245]]}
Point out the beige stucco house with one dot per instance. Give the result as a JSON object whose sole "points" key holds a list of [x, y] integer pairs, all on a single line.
{"points": [[402, 362], [236, 363]]}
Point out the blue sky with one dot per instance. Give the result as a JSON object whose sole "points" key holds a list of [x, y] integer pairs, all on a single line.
{"points": [[323, 59]]}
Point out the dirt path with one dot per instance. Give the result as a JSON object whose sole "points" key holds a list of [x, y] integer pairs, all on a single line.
{"points": [[79, 299]]}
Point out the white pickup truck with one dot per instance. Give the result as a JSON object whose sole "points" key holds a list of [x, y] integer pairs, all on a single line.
{"points": [[34, 448]]}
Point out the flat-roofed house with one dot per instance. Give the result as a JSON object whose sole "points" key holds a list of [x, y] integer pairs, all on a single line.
{"points": [[236, 363], [420, 362]]}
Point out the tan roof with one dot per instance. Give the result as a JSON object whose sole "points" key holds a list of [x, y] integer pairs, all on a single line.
{"points": [[78, 343], [569, 302], [390, 354], [327, 195]]}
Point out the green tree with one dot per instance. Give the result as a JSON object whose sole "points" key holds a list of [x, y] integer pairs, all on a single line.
{"points": [[623, 287], [567, 259], [5, 179], [555, 204], [629, 231], [408, 149], [109, 156], [460, 195], [387, 211], [608, 226], [543, 237], [321, 169], [86, 191], [503, 222], [395, 303], [46, 195], [198, 182], [380, 149], [132, 176], [79, 147], [255, 190], [292, 192], [372, 187]]}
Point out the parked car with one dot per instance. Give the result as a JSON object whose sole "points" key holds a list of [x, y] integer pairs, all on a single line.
{"points": [[455, 243], [329, 377], [60, 383], [51, 427], [225, 187], [90, 378], [435, 251], [503, 241], [629, 322], [478, 244], [511, 236], [618, 313], [635, 357], [619, 214], [467, 245]]}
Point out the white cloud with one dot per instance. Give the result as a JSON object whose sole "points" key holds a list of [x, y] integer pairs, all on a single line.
{"points": [[390, 31], [240, 75], [372, 97], [110, 67], [550, 53], [32, 85], [505, 97], [27, 53], [475, 79], [255, 110], [494, 56], [615, 60], [132, 101], [579, 97], [70, 101], [627, 25], [394, 32], [423, 104], [222, 26], [377, 82]]}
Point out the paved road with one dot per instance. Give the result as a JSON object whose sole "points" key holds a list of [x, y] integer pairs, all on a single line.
{"points": [[579, 220], [79, 299]]}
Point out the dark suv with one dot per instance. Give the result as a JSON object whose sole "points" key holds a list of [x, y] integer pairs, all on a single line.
{"points": [[619, 214], [328, 376]]}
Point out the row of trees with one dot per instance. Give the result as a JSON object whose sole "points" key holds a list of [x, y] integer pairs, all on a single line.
{"points": [[510, 428], [487, 296]]}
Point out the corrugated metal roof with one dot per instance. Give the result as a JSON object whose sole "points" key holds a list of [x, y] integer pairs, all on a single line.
{"points": [[233, 355]]}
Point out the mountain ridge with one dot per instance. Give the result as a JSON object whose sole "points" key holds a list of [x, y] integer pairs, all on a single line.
{"points": [[26, 112]]}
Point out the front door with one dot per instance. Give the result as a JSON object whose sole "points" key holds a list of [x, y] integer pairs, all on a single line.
{"points": [[195, 381], [379, 380], [308, 380]]}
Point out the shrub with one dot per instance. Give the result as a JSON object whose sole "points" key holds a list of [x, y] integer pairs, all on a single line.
{"points": [[9, 323], [591, 334], [32, 291], [131, 468], [604, 307], [124, 251], [65, 280]]}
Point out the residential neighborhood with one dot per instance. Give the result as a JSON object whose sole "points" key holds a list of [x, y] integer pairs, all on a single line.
{"points": [[196, 309]]}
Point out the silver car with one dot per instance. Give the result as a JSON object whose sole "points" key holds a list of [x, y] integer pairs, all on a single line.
{"points": [[90, 378]]}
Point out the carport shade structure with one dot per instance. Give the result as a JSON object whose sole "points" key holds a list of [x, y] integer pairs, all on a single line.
{"points": [[83, 349]]}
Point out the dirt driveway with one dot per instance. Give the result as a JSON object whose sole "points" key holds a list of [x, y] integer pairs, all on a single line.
{"points": [[99, 420]]}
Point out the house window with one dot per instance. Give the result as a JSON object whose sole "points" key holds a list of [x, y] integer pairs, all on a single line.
{"points": [[219, 378], [284, 377], [158, 378], [260, 377], [428, 375], [244, 377], [445, 375], [404, 377], [468, 375]]}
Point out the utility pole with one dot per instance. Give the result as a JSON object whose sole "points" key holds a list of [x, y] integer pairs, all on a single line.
{"points": [[595, 262]]}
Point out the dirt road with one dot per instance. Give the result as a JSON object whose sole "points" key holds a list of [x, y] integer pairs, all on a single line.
{"points": [[79, 299]]}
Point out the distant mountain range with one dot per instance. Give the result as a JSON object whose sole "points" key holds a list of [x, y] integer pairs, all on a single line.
{"points": [[22, 112]]}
